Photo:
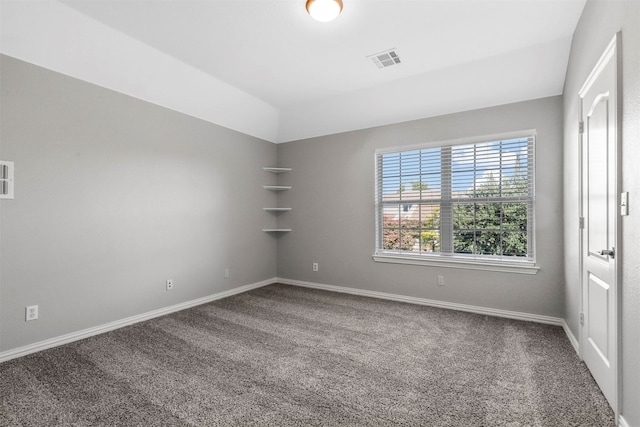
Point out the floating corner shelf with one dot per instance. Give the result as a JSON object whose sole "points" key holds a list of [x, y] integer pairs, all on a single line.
{"points": [[276, 170], [277, 187]]}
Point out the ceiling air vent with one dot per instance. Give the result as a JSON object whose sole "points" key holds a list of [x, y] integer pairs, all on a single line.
{"points": [[385, 59]]}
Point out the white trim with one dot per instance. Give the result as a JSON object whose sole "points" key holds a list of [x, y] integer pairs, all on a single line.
{"points": [[86, 333], [597, 101], [528, 133], [471, 264], [622, 422], [597, 69], [100, 329], [277, 187], [276, 170], [529, 317], [613, 55], [447, 203], [572, 338]]}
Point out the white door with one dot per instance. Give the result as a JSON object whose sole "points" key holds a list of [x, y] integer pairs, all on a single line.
{"points": [[599, 148]]}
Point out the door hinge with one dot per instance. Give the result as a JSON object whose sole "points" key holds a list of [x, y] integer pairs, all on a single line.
{"points": [[581, 319], [581, 127], [581, 223]]}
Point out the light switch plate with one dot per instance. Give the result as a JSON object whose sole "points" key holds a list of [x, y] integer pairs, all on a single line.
{"points": [[624, 203], [6, 179]]}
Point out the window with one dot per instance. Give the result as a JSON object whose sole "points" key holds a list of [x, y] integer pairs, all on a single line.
{"points": [[466, 202]]}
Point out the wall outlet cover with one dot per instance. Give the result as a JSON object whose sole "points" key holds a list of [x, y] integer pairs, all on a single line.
{"points": [[31, 313]]}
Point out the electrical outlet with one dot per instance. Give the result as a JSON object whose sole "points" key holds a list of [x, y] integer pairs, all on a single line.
{"points": [[31, 313], [440, 280], [226, 273], [169, 284], [315, 266]]}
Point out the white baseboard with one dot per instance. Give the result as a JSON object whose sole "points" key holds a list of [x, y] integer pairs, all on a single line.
{"points": [[96, 330], [86, 333], [433, 303], [622, 422], [572, 338]]}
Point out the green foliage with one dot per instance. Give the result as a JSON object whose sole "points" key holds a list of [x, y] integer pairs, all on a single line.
{"points": [[430, 241], [430, 236], [490, 228], [479, 227], [413, 235], [415, 186], [396, 239]]}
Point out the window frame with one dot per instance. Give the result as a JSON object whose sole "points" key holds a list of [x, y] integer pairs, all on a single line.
{"points": [[453, 260]]}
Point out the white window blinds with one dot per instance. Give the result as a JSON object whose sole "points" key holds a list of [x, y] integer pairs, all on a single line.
{"points": [[468, 200]]}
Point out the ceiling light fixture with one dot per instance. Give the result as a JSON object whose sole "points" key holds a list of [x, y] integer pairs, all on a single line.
{"points": [[324, 10]]}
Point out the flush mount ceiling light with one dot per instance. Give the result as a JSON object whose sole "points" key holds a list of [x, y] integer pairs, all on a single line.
{"points": [[324, 10]]}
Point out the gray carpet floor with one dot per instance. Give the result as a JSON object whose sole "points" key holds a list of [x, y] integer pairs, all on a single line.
{"points": [[287, 356]]}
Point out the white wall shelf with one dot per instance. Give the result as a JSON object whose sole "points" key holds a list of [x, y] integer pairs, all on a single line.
{"points": [[276, 188], [277, 170]]}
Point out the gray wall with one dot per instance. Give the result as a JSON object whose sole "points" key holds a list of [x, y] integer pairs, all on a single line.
{"points": [[333, 212], [599, 22], [113, 196]]}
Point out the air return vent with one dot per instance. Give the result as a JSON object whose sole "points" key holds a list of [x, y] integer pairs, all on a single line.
{"points": [[385, 59]]}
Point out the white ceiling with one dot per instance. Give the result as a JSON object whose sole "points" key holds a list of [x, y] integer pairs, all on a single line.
{"points": [[304, 77]]}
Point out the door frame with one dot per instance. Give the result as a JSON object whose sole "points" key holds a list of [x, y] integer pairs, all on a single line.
{"points": [[611, 54]]}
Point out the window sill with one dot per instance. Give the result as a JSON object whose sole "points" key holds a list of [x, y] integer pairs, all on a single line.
{"points": [[520, 267]]}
